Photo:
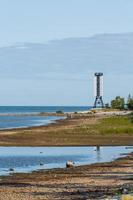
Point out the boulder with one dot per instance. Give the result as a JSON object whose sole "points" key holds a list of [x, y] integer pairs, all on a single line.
{"points": [[11, 170], [41, 164], [69, 164]]}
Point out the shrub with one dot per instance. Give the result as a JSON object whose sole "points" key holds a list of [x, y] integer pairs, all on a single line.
{"points": [[59, 112], [118, 103]]}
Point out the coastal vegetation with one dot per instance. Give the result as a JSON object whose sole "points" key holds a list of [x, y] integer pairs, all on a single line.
{"points": [[59, 112], [118, 103], [130, 102], [121, 103], [78, 129], [110, 125]]}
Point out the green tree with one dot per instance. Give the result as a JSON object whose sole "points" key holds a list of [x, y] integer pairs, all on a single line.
{"points": [[130, 102], [118, 103], [107, 105], [129, 97]]}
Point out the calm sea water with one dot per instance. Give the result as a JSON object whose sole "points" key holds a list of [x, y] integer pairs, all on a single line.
{"points": [[8, 120], [28, 159], [39, 109]]}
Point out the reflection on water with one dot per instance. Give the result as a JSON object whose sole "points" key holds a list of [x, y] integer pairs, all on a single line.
{"points": [[98, 153], [27, 159]]}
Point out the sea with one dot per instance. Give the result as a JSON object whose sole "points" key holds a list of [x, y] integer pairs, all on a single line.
{"points": [[28, 116]]}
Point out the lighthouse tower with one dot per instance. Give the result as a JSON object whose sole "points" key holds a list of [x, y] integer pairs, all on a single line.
{"points": [[98, 90]]}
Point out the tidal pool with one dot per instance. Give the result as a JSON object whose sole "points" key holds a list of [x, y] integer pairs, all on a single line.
{"points": [[28, 159]]}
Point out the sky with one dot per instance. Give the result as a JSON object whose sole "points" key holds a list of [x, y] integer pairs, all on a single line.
{"points": [[38, 21], [43, 20]]}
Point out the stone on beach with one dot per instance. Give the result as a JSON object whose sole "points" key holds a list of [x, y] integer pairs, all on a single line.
{"points": [[11, 170], [69, 164], [41, 164]]}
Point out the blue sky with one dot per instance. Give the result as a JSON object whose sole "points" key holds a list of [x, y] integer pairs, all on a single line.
{"points": [[38, 21], [42, 20]]}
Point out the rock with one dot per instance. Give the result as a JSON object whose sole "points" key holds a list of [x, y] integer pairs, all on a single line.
{"points": [[124, 190], [11, 170], [41, 164], [69, 164]]}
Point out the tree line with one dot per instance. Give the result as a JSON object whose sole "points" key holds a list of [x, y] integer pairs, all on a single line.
{"points": [[121, 103]]}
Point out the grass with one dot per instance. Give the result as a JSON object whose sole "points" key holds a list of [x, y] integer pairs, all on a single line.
{"points": [[115, 130], [111, 125]]}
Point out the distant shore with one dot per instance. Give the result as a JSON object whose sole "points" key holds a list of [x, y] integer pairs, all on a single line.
{"points": [[34, 114]]}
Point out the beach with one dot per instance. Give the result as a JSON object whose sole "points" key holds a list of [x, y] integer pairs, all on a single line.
{"points": [[66, 100], [82, 129], [96, 181]]}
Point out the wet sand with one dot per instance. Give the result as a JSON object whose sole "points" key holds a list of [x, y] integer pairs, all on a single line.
{"points": [[96, 181]]}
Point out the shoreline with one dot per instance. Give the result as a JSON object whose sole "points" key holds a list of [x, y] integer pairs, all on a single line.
{"points": [[92, 181], [33, 126], [71, 131], [52, 122], [33, 114], [125, 151], [66, 115]]}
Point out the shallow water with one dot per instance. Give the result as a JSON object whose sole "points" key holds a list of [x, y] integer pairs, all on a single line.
{"points": [[13, 116], [28, 159], [9, 122]]}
